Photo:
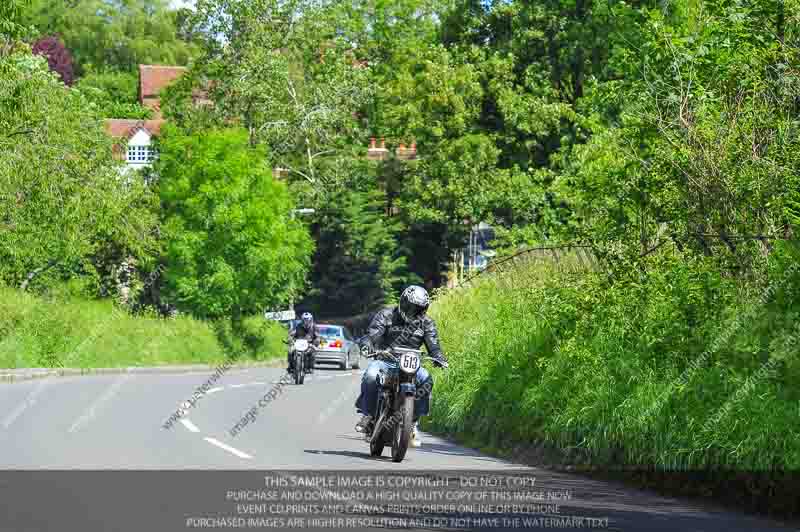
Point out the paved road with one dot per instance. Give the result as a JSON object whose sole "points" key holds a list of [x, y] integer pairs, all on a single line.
{"points": [[115, 422]]}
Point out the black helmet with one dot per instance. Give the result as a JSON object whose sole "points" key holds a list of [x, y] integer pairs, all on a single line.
{"points": [[414, 302], [308, 320]]}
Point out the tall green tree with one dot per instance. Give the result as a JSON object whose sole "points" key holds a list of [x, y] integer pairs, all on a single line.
{"points": [[116, 34], [233, 246], [72, 212], [289, 78], [358, 264], [704, 152]]}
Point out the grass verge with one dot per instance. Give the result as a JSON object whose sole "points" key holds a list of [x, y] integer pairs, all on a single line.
{"points": [[76, 333]]}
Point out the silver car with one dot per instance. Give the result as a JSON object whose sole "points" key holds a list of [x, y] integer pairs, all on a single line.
{"points": [[337, 346]]}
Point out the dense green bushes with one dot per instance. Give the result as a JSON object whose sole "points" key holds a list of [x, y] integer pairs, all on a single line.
{"points": [[263, 339], [678, 367]]}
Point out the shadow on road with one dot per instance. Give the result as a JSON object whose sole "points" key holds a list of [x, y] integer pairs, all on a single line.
{"points": [[430, 448], [350, 454], [451, 450]]}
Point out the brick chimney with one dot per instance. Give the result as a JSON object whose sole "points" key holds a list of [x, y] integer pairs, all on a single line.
{"points": [[407, 153], [377, 154]]}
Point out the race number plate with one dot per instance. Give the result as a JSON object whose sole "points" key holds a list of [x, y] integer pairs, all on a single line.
{"points": [[301, 345], [409, 362]]}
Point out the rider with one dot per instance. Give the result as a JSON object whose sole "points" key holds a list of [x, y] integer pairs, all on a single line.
{"points": [[406, 325], [305, 330]]}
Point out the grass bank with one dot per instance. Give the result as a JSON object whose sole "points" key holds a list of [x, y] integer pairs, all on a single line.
{"points": [[76, 333], [676, 369]]}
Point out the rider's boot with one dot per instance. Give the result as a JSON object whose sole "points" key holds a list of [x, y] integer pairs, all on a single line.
{"points": [[415, 441], [365, 425]]}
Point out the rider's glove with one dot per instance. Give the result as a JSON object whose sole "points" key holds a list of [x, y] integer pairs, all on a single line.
{"points": [[441, 362]]}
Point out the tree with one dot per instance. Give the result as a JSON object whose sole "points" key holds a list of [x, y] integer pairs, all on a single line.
{"points": [[289, 78], [11, 21], [358, 265], [233, 246], [117, 34], [115, 94], [58, 57], [703, 151], [59, 215]]}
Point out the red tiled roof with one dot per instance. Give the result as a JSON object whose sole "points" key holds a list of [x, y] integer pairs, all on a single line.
{"points": [[125, 128], [153, 78]]}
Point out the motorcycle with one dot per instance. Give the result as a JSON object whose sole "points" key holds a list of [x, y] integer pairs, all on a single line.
{"points": [[303, 360], [397, 392]]}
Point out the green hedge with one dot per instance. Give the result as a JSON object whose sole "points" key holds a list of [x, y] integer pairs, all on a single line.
{"points": [[618, 373]]}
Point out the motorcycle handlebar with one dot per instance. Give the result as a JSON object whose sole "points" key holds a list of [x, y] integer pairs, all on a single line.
{"points": [[385, 353]]}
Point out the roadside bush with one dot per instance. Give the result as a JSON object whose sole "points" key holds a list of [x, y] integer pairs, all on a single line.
{"points": [[263, 338], [676, 368]]}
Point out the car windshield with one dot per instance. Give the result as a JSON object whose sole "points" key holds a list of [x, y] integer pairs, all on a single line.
{"points": [[329, 331]]}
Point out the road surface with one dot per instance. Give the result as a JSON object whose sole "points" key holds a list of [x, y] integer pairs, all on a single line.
{"points": [[116, 422]]}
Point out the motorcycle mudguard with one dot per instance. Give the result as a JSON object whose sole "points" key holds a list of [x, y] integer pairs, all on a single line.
{"points": [[408, 388]]}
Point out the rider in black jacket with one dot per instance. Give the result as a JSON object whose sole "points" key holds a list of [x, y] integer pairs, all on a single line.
{"points": [[406, 325], [305, 330]]}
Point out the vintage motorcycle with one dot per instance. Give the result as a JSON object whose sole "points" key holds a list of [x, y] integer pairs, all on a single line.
{"points": [[397, 392], [303, 352]]}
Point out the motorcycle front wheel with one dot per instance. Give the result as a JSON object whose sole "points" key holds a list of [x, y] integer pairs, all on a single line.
{"points": [[377, 444], [402, 430], [299, 369]]}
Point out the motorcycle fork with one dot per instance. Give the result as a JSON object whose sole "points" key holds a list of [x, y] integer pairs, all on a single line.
{"points": [[406, 386], [385, 400]]}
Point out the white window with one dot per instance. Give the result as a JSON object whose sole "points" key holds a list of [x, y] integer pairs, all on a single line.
{"points": [[140, 154]]}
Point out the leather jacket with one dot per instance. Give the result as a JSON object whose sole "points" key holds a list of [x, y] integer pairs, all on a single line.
{"points": [[388, 328], [307, 334]]}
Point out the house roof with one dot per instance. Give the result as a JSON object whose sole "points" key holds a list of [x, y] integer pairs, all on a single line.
{"points": [[153, 78], [124, 128]]}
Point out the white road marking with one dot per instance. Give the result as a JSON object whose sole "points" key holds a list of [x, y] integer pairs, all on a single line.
{"points": [[215, 390], [325, 377], [90, 412], [349, 393], [228, 448], [30, 400], [189, 425], [247, 384], [344, 375]]}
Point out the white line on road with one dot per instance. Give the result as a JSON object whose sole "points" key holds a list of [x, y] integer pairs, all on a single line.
{"points": [[247, 384], [91, 412], [30, 400], [228, 448], [215, 390], [189, 425], [344, 375]]}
